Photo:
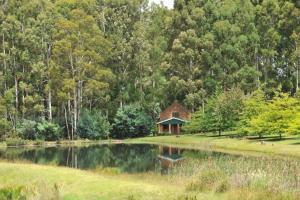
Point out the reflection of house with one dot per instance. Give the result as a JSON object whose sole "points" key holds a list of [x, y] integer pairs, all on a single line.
{"points": [[168, 156], [172, 118]]}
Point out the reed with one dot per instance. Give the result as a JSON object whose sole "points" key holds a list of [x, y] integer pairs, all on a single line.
{"points": [[256, 177]]}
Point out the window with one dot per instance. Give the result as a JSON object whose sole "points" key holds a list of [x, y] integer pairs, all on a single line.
{"points": [[175, 114]]}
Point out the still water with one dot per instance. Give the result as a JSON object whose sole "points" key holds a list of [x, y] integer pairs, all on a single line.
{"points": [[129, 158]]}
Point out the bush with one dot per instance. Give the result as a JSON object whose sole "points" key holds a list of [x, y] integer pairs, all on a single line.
{"points": [[5, 128], [131, 121], [12, 193], [31, 130], [14, 141], [48, 131], [27, 130], [93, 125]]}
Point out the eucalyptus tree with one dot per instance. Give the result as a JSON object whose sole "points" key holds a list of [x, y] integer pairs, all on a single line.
{"points": [[79, 51]]}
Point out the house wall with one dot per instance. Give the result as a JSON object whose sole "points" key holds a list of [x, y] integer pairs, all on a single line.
{"points": [[175, 107]]}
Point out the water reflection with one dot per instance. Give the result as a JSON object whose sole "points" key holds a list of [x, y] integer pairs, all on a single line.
{"points": [[127, 158], [131, 158], [169, 157]]}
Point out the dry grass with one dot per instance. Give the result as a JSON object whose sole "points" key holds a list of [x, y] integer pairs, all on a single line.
{"points": [[253, 178]]}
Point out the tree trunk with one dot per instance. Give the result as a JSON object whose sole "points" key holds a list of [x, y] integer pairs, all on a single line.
{"points": [[297, 77], [121, 103], [69, 111], [50, 104], [80, 88], [5, 70], [74, 118], [48, 55], [220, 132], [23, 105], [75, 110], [266, 70], [17, 99], [103, 20], [257, 66], [67, 123]]}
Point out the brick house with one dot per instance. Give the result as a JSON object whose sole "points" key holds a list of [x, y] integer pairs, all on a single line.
{"points": [[172, 118]]}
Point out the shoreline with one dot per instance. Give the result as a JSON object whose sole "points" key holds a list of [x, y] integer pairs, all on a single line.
{"points": [[224, 144]]}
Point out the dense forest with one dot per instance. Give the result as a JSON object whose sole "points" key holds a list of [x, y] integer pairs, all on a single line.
{"points": [[96, 68]]}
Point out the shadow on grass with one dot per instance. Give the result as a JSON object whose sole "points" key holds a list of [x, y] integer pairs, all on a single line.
{"points": [[250, 138], [296, 143], [217, 136], [271, 139]]}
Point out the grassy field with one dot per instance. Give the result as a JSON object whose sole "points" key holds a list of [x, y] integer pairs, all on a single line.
{"points": [[221, 179], [216, 178], [48, 182], [288, 146]]}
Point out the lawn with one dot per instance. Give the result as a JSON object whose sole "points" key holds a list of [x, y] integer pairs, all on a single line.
{"points": [[288, 146], [79, 184]]}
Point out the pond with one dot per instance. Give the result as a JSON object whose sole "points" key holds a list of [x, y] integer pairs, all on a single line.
{"points": [[129, 158], [174, 164]]}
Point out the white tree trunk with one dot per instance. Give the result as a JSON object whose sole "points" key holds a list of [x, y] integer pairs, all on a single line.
{"points": [[50, 104], [297, 77]]}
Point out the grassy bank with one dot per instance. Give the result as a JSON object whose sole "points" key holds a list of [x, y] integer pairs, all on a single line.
{"points": [[50, 182], [31, 143], [288, 146], [224, 178]]}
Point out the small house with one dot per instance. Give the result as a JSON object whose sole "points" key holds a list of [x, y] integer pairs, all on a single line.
{"points": [[172, 118]]}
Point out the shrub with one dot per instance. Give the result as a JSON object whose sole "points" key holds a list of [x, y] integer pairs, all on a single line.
{"points": [[131, 121], [31, 130], [12, 193], [14, 141], [27, 130], [5, 128], [93, 125], [48, 131]]}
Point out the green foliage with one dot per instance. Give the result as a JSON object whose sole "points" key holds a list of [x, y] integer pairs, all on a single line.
{"points": [[131, 121], [59, 58], [15, 141], [27, 130], [48, 131], [32, 130], [228, 107], [220, 113], [12, 193], [5, 128], [254, 104], [93, 125], [196, 125], [276, 116]]}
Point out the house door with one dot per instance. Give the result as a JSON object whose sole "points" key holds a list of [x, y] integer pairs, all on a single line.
{"points": [[174, 128]]}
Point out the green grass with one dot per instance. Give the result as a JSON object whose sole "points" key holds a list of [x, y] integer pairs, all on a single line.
{"points": [[214, 178], [221, 178], [217, 178], [79, 184], [14, 142], [288, 146]]}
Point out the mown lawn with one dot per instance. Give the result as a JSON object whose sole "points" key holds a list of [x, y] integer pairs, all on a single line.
{"points": [[287, 146], [78, 184]]}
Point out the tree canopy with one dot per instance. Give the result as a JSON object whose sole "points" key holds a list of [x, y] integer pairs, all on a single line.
{"points": [[59, 58]]}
